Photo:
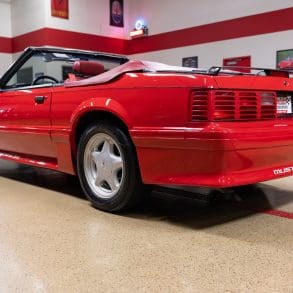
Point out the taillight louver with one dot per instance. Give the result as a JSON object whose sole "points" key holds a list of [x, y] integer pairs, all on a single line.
{"points": [[248, 106], [233, 105], [224, 105], [268, 105], [244, 105], [199, 106]]}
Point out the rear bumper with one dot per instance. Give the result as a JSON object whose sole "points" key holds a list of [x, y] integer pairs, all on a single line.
{"points": [[215, 154]]}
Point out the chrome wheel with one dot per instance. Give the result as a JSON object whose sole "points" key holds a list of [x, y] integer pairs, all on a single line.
{"points": [[107, 167], [103, 165]]}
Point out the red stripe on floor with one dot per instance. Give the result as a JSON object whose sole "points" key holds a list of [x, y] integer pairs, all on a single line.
{"points": [[68, 39], [278, 213]]}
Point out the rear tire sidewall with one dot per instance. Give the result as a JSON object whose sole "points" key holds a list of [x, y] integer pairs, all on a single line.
{"points": [[130, 182]]}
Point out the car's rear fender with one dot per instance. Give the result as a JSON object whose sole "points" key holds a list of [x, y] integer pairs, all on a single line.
{"points": [[102, 108]]}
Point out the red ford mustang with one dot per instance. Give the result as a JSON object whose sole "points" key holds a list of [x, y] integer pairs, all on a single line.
{"points": [[121, 125]]}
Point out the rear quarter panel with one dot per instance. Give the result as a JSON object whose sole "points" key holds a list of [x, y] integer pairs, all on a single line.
{"points": [[140, 100], [143, 101]]}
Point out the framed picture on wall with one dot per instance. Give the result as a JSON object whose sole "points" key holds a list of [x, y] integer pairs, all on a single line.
{"points": [[60, 8], [190, 62], [238, 63], [116, 13], [284, 59]]}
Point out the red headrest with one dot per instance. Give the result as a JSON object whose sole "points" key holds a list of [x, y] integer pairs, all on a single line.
{"points": [[88, 67]]}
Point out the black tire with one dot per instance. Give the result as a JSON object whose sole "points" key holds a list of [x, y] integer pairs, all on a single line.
{"points": [[130, 189]]}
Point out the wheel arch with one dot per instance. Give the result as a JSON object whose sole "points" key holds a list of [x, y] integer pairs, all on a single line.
{"points": [[91, 116], [101, 108]]}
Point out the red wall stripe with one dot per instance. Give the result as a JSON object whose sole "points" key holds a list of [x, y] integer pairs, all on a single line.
{"points": [[5, 45], [263, 23], [68, 39], [84, 41], [269, 22], [35, 38]]}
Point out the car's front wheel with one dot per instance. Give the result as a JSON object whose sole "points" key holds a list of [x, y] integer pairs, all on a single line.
{"points": [[107, 168]]}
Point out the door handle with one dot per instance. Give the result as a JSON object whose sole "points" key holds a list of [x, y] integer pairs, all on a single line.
{"points": [[40, 99]]}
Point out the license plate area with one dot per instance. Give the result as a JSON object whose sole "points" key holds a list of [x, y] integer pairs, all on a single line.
{"points": [[284, 104]]}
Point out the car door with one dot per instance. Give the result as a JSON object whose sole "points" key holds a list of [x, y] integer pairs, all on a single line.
{"points": [[25, 103], [25, 121]]}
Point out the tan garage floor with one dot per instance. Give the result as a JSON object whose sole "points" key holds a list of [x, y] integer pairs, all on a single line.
{"points": [[52, 240]]}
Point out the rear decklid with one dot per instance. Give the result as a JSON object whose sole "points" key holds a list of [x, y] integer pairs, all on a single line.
{"points": [[271, 83]]}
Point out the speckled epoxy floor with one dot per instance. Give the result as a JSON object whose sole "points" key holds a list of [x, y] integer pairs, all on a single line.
{"points": [[52, 240]]}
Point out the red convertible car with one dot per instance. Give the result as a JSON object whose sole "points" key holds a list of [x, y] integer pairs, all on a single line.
{"points": [[121, 125]]}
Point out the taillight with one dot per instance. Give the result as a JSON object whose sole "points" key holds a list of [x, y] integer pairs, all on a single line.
{"points": [[268, 105], [199, 105], [226, 105], [248, 106]]}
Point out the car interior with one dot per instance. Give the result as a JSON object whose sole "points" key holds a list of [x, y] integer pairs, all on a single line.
{"points": [[54, 68]]}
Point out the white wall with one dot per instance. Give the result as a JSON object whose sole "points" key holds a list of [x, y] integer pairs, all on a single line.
{"points": [[5, 31], [88, 16], [27, 16], [262, 49], [5, 19], [5, 62], [169, 15], [92, 17]]}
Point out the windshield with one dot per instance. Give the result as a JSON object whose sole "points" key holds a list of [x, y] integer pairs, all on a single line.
{"points": [[54, 67]]}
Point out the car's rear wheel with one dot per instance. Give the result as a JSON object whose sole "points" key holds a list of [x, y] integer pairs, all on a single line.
{"points": [[107, 168]]}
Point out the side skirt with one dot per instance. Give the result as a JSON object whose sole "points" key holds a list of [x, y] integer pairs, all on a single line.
{"points": [[43, 162]]}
